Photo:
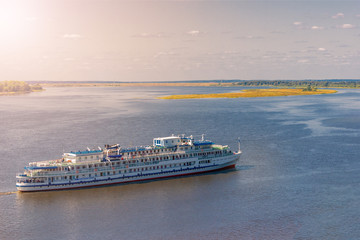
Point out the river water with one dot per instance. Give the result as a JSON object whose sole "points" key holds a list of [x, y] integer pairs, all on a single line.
{"points": [[298, 177]]}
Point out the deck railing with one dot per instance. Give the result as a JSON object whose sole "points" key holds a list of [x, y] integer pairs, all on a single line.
{"points": [[122, 165]]}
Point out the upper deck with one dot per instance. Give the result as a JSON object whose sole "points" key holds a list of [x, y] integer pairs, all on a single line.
{"points": [[165, 146]]}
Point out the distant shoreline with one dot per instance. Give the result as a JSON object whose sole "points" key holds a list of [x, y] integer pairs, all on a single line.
{"points": [[250, 93], [275, 84], [150, 84], [331, 83]]}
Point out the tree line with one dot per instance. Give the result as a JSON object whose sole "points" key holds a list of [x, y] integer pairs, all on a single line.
{"points": [[18, 86], [300, 83]]}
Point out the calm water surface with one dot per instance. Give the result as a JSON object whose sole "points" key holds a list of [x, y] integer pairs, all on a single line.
{"points": [[298, 177]]}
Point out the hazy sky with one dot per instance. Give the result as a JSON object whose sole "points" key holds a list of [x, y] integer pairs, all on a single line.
{"points": [[114, 40]]}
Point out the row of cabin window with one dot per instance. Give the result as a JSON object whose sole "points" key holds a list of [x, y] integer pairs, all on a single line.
{"points": [[126, 171], [145, 160], [148, 151], [204, 161], [90, 157]]}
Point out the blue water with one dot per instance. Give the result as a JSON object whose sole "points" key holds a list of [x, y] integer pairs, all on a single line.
{"points": [[298, 177]]}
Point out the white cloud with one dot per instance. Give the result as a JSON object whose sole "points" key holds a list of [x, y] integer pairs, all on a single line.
{"points": [[298, 25], [301, 25], [317, 28], [72, 36], [321, 49], [347, 26], [338, 15], [194, 33]]}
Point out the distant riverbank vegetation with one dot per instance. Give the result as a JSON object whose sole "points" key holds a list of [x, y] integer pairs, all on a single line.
{"points": [[331, 83], [129, 84], [17, 87], [255, 93]]}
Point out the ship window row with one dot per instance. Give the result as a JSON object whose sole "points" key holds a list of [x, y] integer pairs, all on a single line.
{"points": [[204, 161], [109, 173], [135, 161], [145, 152], [31, 180], [90, 157], [173, 157]]}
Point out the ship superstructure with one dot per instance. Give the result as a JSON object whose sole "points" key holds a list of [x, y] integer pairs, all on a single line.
{"points": [[167, 157]]}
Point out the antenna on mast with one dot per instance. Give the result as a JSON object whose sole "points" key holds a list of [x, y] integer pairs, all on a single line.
{"points": [[239, 143]]}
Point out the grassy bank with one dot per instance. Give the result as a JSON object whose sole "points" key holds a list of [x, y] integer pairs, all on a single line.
{"points": [[253, 93]]}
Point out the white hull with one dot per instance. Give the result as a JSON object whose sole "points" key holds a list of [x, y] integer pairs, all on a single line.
{"points": [[222, 163]]}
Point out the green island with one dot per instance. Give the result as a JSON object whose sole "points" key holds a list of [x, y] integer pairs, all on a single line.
{"points": [[17, 87], [273, 92]]}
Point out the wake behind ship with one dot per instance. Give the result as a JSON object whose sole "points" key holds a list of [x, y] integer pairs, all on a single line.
{"points": [[167, 157]]}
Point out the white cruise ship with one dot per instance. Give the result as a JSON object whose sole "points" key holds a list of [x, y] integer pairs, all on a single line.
{"points": [[167, 157]]}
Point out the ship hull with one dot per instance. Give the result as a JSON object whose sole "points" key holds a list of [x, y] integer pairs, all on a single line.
{"points": [[119, 179]]}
